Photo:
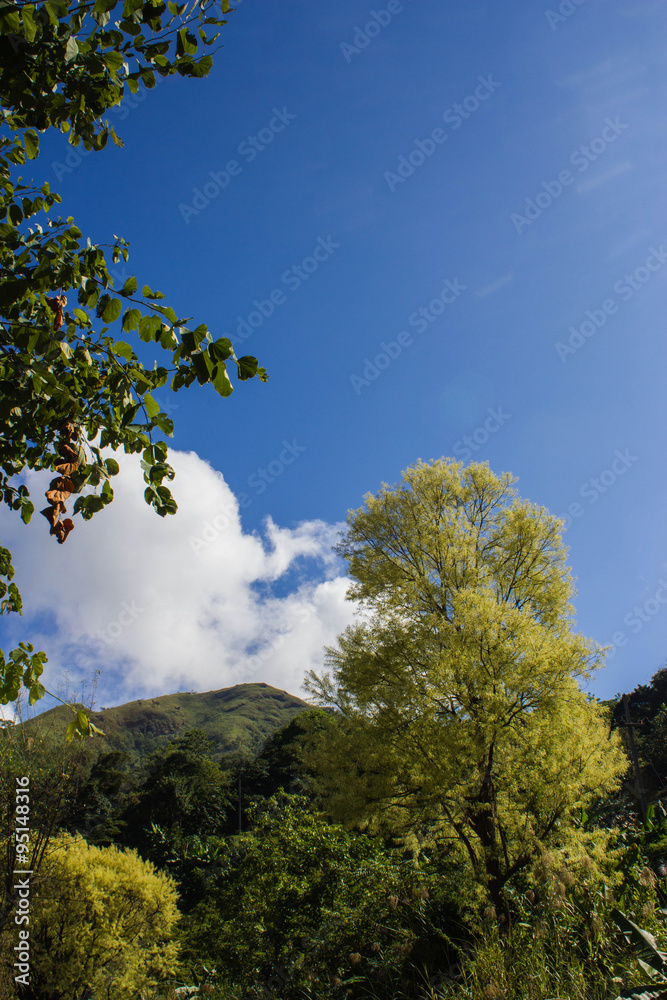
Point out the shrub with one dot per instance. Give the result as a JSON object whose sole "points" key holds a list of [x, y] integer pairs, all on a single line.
{"points": [[100, 924]]}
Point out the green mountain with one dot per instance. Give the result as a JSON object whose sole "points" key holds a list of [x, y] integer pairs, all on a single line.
{"points": [[238, 719]]}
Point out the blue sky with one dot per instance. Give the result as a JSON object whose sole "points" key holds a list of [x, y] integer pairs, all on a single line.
{"points": [[499, 167]]}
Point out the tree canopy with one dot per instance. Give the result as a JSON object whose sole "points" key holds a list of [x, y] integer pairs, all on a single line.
{"points": [[461, 715], [71, 385]]}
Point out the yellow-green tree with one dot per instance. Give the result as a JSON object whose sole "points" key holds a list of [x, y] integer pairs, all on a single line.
{"points": [[101, 925], [461, 716]]}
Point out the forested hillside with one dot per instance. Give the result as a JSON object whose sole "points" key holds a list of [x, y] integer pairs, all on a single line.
{"points": [[237, 719]]}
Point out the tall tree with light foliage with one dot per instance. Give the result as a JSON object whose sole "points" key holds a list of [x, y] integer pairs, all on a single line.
{"points": [[461, 714]]}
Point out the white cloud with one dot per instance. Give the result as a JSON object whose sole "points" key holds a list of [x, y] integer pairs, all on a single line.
{"points": [[184, 602]]}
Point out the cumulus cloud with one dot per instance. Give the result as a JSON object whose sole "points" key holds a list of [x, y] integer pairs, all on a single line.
{"points": [[187, 602]]}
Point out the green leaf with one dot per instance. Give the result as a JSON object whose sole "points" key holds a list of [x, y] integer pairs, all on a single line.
{"points": [[104, 6], [10, 22], [29, 26], [167, 312], [125, 351], [186, 43], [152, 408], [129, 286], [112, 311], [27, 510], [147, 293], [149, 326], [221, 349], [31, 143], [131, 319], [201, 368], [165, 424], [37, 691], [220, 380], [644, 944], [82, 316], [114, 61], [168, 339], [248, 367]]}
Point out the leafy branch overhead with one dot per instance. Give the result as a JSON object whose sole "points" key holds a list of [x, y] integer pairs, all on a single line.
{"points": [[64, 65], [59, 364], [74, 374]]}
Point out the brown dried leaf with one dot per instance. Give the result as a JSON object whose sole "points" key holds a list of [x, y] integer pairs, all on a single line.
{"points": [[62, 483], [67, 468], [51, 514], [57, 496], [68, 428], [63, 528], [69, 454]]}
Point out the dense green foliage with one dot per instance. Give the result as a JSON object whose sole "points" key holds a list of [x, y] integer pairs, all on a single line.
{"points": [[301, 904], [298, 906]]}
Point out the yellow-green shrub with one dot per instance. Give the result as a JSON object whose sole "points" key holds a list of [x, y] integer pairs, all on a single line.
{"points": [[101, 924]]}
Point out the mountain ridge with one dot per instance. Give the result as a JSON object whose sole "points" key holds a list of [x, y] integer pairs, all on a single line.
{"points": [[237, 719]]}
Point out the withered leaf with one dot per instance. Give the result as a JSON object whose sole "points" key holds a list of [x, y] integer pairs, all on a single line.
{"points": [[67, 468], [50, 513], [58, 496], [62, 483], [63, 528], [69, 454]]}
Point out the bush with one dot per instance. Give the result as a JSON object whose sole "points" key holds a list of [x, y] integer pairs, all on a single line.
{"points": [[100, 924], [302, 905]]}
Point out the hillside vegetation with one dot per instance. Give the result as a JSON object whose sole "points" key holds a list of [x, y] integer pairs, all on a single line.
{"points": [[237, 719], [454, 819]]}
